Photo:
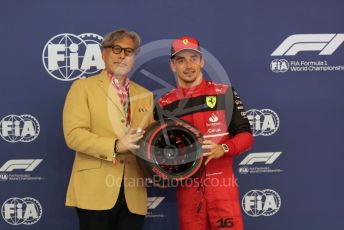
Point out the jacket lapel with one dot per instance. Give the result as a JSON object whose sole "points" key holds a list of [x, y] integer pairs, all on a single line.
{"points": [[109, 91], [134, 99]]}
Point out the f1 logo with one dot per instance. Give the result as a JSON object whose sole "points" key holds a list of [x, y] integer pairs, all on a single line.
{"points": [[154, 202], [326, 43], [266, 157], [27, 164]]}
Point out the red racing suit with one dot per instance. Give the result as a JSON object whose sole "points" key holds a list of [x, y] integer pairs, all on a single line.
{"points": [[211, 201]]}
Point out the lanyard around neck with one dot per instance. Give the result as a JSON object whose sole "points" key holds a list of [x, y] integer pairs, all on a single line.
{"points": [[126, 105]]}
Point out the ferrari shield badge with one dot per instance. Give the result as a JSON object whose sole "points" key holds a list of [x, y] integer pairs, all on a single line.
{"points": [[211, 101]]}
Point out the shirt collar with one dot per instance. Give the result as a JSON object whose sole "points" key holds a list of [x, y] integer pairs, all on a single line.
{"points": [[116, 83]]}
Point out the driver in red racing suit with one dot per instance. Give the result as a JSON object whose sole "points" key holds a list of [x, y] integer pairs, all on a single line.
{"points": [[211, 200]]}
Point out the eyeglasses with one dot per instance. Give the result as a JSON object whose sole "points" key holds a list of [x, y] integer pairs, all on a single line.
{"points": [[116, 49]]}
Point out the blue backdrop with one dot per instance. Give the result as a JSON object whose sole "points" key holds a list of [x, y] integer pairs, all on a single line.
{"points": [[285, 58]]}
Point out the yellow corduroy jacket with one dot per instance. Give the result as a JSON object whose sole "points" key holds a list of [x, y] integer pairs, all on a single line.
{"points": [[93, 118]]}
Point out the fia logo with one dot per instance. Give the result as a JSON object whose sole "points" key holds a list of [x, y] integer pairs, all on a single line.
{"points": [[265, 202], [264, 122], [22, 128], [244, 170], [279, 66], [67, 57], [17, 211]]}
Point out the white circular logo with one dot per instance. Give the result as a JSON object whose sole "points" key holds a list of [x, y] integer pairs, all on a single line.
{"points": [[264, 122], [279, 66], [23, 128], [17, 211], [265, 202], [67, 57]]}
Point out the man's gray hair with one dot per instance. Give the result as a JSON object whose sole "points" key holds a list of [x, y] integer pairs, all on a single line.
{"points": [[116, 35]]}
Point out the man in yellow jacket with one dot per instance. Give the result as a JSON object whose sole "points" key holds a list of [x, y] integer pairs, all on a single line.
{"points": [[102, 120]]}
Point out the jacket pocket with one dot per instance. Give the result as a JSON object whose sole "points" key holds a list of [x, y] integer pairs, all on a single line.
{"points": [[86, 164]]}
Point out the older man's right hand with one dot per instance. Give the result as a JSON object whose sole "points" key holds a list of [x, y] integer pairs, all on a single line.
{"points": [[129, 141]]}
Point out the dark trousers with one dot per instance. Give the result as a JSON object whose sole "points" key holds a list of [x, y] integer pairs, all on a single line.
{"points": [[117, 218]]}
